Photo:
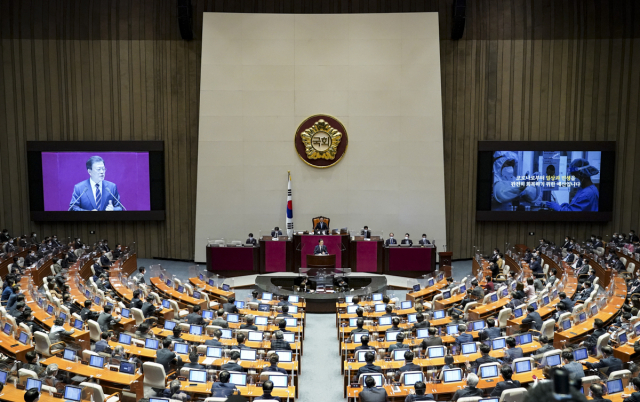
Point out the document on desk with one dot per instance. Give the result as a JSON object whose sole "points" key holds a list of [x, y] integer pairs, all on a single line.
{"points": [[208, 361]]}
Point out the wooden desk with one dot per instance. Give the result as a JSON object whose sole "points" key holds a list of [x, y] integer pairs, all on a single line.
{"points": [[13, 394], [427, 293], [127, 295], [182, 298], [134, 381], [443, 304], [211, 290], [248, 391], [12, 347]]}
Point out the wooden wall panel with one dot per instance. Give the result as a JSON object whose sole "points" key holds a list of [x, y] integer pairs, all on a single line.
{"points": [[118, 70]]}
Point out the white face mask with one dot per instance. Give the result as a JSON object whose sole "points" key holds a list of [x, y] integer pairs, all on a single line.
{"points": [[406, 237], [424, 238], [391, 237]]}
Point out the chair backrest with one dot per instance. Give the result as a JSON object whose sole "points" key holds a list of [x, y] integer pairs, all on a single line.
{"points": [[315, 220], [469, 306], [513, 395], [619, 374], [174, 306], [603, 340], [437, 297], [23, 374], [137, 315], [94, 330], [94, 389], [631, 267], [24, 328], [43, 344], [215, 399], [86, 354], [487, 298], [588, 380], [624, 261], [154, 375], [564, 316], [503, 316]]}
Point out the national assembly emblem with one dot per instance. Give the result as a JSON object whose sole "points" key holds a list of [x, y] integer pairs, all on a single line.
{"points": [[321, 141]]}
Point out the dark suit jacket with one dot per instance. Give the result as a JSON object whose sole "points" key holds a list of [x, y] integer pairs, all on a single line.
{"points": [[512, 354], [431, 341], [391, 241], [466, 392], [365, 233], [320, 249], [502, 385], [492, 332], [195, 319], [368, 368], [148, 309], [321, 226], [273, 233], [612, 363], [212, 342], [230, 366], [82, 198], [410, 367], [407, 241], [424, 242], [252, 240], [535, 320], [136, 303], [374, 394], [536, 267], [165, 357], [106, 321]]}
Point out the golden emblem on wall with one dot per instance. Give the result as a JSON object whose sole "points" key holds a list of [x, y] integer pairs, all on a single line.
{"points": [[321, 140]]}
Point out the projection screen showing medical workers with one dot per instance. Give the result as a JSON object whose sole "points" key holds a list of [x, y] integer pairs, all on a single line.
{"points": [[545, 182]]}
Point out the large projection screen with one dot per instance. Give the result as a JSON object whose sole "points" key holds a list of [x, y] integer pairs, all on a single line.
{"points": [[263, 74]]}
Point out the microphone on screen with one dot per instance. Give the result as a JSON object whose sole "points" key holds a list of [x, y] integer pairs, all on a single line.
{"points": [[76, 200], [114, 197]]}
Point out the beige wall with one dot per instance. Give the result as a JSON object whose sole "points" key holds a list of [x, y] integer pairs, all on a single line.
{"points": [[262, 74]]}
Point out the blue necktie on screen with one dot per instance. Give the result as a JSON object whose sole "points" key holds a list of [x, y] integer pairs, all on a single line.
{"points": [[98, 197]]}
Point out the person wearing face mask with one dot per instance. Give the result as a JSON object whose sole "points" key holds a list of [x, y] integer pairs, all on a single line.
{"points": [[424, 240], [9, 246], [541, 245], [117, 252], [391, 240], [633, 237], [527, 256], [251, 240], [505, 171], [78, 244], [55, 241], [598, 242], [622, 240], [407, 240], [587, 196], [494, 257], [31, 259], [566, 242], [33, 239]]}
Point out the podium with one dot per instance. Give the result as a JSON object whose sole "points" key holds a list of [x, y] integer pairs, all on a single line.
{"points": [[321, 261]]}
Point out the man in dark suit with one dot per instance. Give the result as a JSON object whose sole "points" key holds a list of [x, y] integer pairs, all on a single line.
{"points": [[592, 340], [409, 365], [421, 393], [574, 368], [195, 318], [249, 323], [390, 240], [364, 344], [633, 237], [533, 318], [230, 306], [608, 361], [371, 393], [492, 332], [365, 232], [166, 356], [592, 276], [220, 321], [276, 232], [321, 226], [512, 352], [535, 265], [4, 236], [586, 291], [463, 336], [508, 383], [279, 343], [320, 249], [217, 334], [95, 193], [598, 243], [484, 358], [71, 256], [273, 360], [470, 390], [105, 261], [223, 388], [567, 301], [106, 320], [31, 259], [432, 340], [424, 241], [148, 309], [407, 240], [135, 300], [251, 240], [596, 393], [420, 322], [369, 367]]}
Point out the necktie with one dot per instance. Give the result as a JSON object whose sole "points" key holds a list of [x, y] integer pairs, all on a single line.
{"points": [[98, 197]]}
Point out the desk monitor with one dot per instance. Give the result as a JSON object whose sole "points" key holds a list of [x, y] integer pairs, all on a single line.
{"points": [[492, 399], [238, 379], [534, 304], [446, 295], [637, 329], [96, 361], [226, 334], [398, 354], [196, 295], [360, 356], [488, 371], [452, 329], [438, 314], [151, 343], [109, 304], [352, 309], [226, 288], [412, 318], [525, 339], [411, 378], [505, 292], [379, 307], [285, 356], [213, 351], [124, 339], [348, 299], [31, 383], [166, 304], [498, 343], [353, 322], [513, 285], [255, 336], [180, 289], [239, 304], [201, 277], [267, 296], [391, 335], [469, 348], [279, 381], [97, 300], [181, 348], [23, 338], [440, 276], [494, 297], [294, 299], [422, 333], [553, 360], [384, 321], [212, 282], [170, 325], [264, 307], [293, 309], [87, 294], [376, 377], [289, 337], [260, 320], [416, 288], [50, 308], [195, 330], [435, 351], [580, 354], [614, 386], [169, 283], [198, 376], [233, 317], [462, 289], [69, 354], [207, 314], [523, 366], [291, 322], [554, 294], [622, 338], [594, 310], [566, 324], [582, 317], [376, 297], [63, 316], [126, 313], [127, 368], [3, 376], [430, 282], [545, 301], [517, 312], [406, 305], [478, 325], [158, 400], [454, 375]]}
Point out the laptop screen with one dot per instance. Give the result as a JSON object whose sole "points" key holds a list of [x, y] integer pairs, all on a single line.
{"points": [[352, 309], [196, 295], [406, 305], [391, 335], [553, 360], [384, 321], [478, 325], [582, 317], [201, 277], [580, 354], [63, 316], [212, 282], [566, 324], [360, 356], [264, 307], [23, 338], [494, 297], [348, 299], [446, 295], [31, 383], [214, 352], [489, 371], [267, 296], [379, 308], [438, 314], [289, 337], [158, 400], [279, 381], [469, 348], [127, 368], [454, 375], [534, 304], [169, 283], [125, 313], [50, 308], [594, 310], [255, 336], [417, 287], [614, 386], [3, 377], [248, 354], [398, 354], [376, 377], [452, 329], [462, 289], [435, 351], [181, 348], [523, 366], [294, 299], [376, 297], [180, 288], [69, 355], [225, 287], [545, 300], [412, 318], [412, 378], [524, 339], [198, 376], [151, 343], [239, 304], [238, 379], [498, 343], [353, 322], [195, 330], [124, 339], [96, 361], [517, 312], [166, 304], [285, 355], [170, 325], [207, 314], [226, 333], [291, 322], [260, 320], [622, 338], [233, 318], [357, 337], [422, 333], [505, 292]]}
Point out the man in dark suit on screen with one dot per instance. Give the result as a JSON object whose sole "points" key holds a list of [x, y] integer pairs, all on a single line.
{"points": [[407, 240], [320, 249], [95, 193], [321, 226]]}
